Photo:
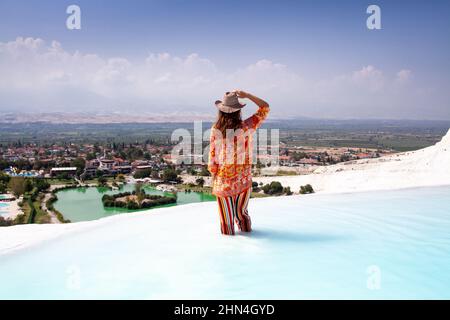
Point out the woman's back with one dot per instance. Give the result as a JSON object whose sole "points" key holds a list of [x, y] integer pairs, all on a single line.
{"points": [[230, 157]]}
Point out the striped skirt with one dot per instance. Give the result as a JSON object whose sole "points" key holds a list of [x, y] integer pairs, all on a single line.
{"points": [[234, 209]]}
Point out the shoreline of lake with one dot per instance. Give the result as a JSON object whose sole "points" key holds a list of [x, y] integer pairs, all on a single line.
{"points": [[84, 203]]}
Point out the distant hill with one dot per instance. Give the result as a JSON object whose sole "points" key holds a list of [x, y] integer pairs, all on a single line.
{"points": [[87, 118]]}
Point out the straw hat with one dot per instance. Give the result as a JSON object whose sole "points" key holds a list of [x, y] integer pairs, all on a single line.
{"points": [[230, 103]]}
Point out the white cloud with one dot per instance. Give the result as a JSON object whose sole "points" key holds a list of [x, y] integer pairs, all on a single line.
{"points": [[37, 76], [403, 76], [369, 77]]}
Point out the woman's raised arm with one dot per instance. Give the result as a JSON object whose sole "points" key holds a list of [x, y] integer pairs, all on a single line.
{"points": [[258, 118]]}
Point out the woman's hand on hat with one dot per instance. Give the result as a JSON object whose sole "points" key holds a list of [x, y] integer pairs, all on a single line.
{"points": [[241, 94]]}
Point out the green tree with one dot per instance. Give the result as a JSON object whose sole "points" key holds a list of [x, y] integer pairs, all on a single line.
{"points": [[3, 187], [4, 178], [102, 181], [79, 163], [40, 184], [170, 174], [306, 189], [90, 156], [200, 182], [18, 186], [274, 187], [287, 191], [155, 174], [141, 174], [4, 164]]}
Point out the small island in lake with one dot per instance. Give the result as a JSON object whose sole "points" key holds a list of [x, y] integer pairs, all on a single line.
{"points": [[137, 199]]}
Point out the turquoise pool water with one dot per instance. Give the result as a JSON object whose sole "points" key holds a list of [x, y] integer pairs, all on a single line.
{"points": [[3, 205], [85, 204], [377, 245]]}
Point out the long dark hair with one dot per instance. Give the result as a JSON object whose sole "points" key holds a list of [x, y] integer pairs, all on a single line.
{"points": [[228, 121]]}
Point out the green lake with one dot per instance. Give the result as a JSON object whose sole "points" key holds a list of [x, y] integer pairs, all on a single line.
{"points": [[83, 204]]}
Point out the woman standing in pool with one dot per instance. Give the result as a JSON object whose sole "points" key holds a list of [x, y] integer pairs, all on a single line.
{"points": [[230, 158]]}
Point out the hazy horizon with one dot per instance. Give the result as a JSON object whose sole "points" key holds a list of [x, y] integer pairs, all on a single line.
{"points": [[175, 117]]}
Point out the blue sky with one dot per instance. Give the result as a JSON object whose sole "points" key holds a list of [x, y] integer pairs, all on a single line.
{"points": [[321, 44]]}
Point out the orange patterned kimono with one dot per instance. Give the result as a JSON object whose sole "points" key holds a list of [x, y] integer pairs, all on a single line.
{"points": [[230, 160]]}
